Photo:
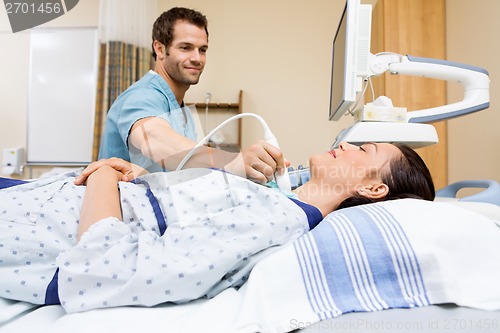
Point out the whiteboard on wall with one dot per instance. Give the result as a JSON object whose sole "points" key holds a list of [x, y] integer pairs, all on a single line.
{"points": [[62, 95]]}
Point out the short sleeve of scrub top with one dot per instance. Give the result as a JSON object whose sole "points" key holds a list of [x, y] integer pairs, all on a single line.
{"points": [[152, 103]]}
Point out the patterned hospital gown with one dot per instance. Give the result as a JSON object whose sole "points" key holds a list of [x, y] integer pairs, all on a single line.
{"points": [[195, 233]]}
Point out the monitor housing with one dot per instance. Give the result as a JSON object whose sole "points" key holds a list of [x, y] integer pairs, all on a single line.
{"points": [[350, 58]]}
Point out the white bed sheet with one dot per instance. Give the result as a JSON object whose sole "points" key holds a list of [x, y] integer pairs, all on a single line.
{"points": [[219, 313], [10, 309], [214, 315], [436, 318]]}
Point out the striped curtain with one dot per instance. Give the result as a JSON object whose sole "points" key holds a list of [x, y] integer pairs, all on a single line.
{"points": [[125, 53]]}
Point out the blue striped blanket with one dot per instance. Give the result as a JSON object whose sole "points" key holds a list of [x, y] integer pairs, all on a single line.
{"points": [[360, 260], [401, 254]]}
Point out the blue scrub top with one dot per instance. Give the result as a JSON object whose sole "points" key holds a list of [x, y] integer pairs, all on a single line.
{"points": [[151, 96]]}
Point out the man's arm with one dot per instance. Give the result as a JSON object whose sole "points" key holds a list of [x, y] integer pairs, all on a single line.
{"points": [[156, 139]]}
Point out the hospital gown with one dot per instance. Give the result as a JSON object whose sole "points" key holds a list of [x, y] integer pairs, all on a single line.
{"points": [[194, 233]]}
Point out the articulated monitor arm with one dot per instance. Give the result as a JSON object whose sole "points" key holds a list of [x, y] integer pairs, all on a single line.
{"points": [[416, 131], [475, 81]]}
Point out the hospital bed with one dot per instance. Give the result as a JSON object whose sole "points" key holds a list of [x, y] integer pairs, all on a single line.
{"points": [[277, 297]]}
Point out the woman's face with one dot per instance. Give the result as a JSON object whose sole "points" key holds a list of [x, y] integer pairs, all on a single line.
{"points": [[350, 167]]}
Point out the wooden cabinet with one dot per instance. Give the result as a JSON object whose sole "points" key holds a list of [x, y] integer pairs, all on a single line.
{"points": [[417, 28]]}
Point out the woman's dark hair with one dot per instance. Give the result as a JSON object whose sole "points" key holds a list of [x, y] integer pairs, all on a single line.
{"points": [[407, 177], [163, 28]]}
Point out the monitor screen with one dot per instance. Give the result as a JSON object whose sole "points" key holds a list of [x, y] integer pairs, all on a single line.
{"points": [[351, 48]]}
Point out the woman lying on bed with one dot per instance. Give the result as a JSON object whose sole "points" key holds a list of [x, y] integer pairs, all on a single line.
{"points": [[179, 236]]}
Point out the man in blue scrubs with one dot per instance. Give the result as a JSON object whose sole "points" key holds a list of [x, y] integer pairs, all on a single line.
{"points": [[147, 123]]}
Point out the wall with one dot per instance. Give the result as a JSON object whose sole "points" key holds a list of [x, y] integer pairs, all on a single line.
{"points": [[472, 38], [14, 65]]}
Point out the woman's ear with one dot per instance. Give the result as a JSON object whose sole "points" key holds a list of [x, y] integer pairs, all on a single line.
{"points": [[374, 191]]}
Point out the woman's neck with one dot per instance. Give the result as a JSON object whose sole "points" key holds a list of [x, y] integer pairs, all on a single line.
{"points": [[321, 196]]}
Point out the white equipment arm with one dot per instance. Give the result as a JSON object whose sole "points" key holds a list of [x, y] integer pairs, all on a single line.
{"points": [[475, 81]]}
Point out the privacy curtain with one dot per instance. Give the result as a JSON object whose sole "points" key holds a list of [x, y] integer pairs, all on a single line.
{"points": [[125, 52]]}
